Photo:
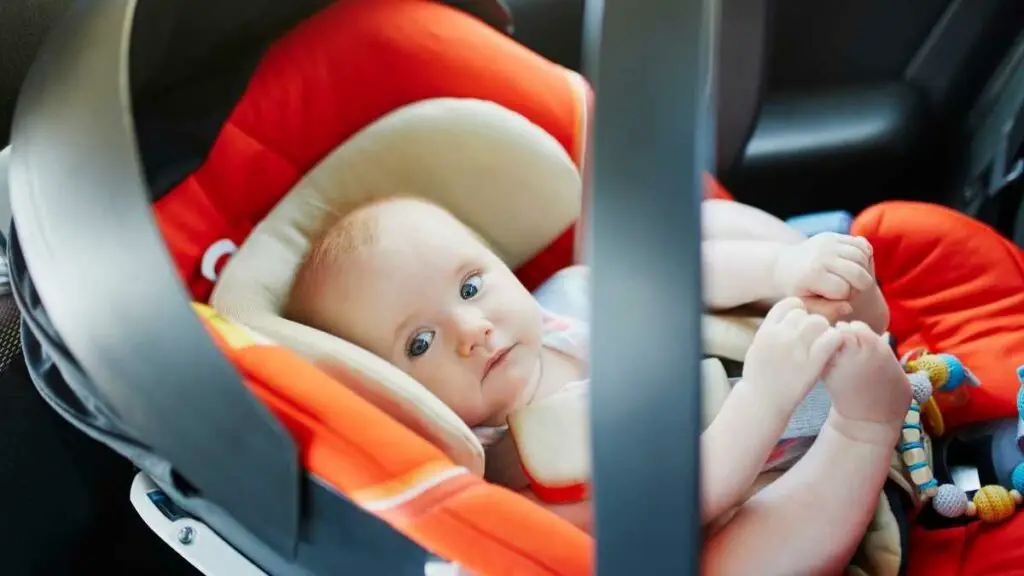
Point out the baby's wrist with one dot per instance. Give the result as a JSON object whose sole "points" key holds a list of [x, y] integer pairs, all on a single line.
{"points": [[769, 395]]}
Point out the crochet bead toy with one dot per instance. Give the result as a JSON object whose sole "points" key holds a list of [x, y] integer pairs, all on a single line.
{"points": [[1017, 478], [912, 452], [992, 503], [995, 503], [952, 502], [948, 377]]}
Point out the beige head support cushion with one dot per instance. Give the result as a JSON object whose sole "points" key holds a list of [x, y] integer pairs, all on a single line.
{"points": [[502, 175]]}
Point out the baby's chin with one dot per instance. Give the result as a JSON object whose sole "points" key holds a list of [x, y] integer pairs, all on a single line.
{"points": [[524, 392], [530, 383]]}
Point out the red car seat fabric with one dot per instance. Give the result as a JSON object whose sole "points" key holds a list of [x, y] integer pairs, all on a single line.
{"points": [[384, 468], [331, 76], [955, 285]]}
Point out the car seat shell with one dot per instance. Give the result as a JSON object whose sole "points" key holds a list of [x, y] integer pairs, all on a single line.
{"points": [[83, 387], [267, 532]]}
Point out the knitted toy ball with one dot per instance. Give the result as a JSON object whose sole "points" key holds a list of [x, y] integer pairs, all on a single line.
{"points": [[921, 386], [995, 503], [944, 370], [950, 501], [1017, 478]]}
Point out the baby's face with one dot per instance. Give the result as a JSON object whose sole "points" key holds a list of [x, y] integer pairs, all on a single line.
{"points": [[430, 298]]}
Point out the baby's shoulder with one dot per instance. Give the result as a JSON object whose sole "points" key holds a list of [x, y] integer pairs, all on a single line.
{"points": [[568, 335]]}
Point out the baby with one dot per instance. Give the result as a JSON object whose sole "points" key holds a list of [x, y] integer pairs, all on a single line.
{"points": [[406, 280]]}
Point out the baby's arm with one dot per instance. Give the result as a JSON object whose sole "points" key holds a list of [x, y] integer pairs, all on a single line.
{"points": [[729, 220], [803, 524], [812, 518], [741, 245], [735, 447], [788, 354], [738, 272]]}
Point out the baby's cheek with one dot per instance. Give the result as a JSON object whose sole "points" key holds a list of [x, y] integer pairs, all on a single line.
{"points": [[467, 406]]}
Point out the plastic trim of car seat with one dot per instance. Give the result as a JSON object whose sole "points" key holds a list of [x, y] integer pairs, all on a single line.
{"points": [[650, 63], [108, 284], [741, 59], [193, 540]]}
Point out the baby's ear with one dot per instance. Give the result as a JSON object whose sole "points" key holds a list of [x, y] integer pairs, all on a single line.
{"points": [[832, 310]]}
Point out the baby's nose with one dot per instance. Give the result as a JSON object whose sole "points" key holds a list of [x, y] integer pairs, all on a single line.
{"points": [[474, 331]]}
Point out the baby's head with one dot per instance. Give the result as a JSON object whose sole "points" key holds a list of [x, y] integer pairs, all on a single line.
{"points": [[406, 280]]}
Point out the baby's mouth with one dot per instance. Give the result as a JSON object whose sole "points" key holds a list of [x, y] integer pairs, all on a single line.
{"points": [[496, 360]]}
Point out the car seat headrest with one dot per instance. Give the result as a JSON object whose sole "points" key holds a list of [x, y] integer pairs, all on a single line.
{"points": [[505, 177]]}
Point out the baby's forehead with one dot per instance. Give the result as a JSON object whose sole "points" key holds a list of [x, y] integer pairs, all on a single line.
{"points": [[413, 217], [410, 238], [420, 227]]}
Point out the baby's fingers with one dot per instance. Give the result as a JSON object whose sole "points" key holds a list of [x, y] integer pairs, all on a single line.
{"points": [[855, 254], [858, 242], [781, 309], [852, 272], [831, 310], [811, 328], [825, 347], [831, 286]]}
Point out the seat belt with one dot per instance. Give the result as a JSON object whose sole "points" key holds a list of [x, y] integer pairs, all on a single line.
{"points": [[650, 64], [83, 219]]}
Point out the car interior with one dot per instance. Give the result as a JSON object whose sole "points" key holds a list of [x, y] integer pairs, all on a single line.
{"points": [[823, 105]]}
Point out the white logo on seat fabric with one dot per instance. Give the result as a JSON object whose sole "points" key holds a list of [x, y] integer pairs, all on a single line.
{"points": [[215, 256]]}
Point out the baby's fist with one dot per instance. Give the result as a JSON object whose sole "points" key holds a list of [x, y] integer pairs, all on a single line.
{"points": [[789, 352], [828, 265]]}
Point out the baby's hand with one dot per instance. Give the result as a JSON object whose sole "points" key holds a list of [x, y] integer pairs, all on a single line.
{"points": [[828, 265], [789, 352], [870, 393]]}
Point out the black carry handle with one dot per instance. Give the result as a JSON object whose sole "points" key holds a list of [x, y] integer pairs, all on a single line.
{"points": [[86, 227], [650, 62]]}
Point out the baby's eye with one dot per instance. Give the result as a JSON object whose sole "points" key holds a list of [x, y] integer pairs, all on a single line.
{"points": [[420, 343], [471, 286]]}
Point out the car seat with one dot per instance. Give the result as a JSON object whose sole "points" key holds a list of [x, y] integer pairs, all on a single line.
{"points": [[283, 485], [332, 450]]}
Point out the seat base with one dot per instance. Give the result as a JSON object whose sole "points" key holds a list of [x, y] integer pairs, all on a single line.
{"points": [[192, 539], [203, 548]]}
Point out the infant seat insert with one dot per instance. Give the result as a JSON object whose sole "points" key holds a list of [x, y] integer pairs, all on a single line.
{"points": [[440, 149]]}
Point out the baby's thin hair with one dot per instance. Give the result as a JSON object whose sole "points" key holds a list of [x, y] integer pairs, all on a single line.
{"points": [[355, 230]]}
